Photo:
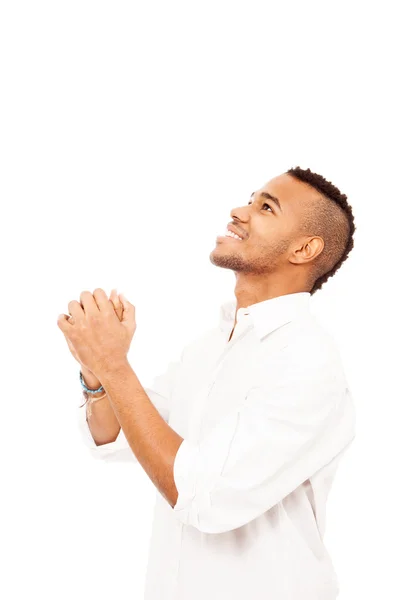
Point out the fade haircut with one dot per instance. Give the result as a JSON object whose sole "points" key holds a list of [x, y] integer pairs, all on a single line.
{"points": [[332, 219]]}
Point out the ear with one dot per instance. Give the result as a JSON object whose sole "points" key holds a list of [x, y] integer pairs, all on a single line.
{"points": [[307, 250]]}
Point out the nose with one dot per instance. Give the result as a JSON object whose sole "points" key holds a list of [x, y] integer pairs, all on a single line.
{"points": [[241, 213]]}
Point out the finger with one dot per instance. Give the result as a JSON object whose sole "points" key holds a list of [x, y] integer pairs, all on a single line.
{"points": [[129, 310], [102, 301], [88, 303], [116, 303], [64, 324], [114, 297], [75, 310], [125, 301]]}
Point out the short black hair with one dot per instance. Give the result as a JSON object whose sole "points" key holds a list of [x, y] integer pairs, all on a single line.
{"points": [[333, 221]]}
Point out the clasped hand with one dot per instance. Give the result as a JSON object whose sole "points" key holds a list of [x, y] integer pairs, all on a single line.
{"points": [[100, 340]]}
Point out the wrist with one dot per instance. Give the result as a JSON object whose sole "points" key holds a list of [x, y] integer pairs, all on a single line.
{"points": [[89, 379], [117, 368]]}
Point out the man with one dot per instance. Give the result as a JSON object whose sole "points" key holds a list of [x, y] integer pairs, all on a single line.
{"points": [[243, 435]]}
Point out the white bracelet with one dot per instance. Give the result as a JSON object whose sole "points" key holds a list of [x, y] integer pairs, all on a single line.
{"points": [[90, 400]]}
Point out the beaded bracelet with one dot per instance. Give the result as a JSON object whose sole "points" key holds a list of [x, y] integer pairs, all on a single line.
{"points": [[100, 389], [89, 400]]}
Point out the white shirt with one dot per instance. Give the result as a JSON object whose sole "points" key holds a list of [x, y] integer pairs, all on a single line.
{"points": [[265, 418]]}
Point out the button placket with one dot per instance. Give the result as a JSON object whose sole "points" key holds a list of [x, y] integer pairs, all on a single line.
{"points": [[229, 345], [218, 366]]}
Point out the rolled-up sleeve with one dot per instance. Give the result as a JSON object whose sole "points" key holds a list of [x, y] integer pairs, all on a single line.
{"points": [[277, 438], [160, 394], [118, 450]]}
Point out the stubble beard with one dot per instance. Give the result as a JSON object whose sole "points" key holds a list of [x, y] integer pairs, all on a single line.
{"points": [[266, 261]]}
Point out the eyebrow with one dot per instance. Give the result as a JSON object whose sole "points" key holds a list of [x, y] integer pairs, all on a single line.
{"points": [[269, 197]]}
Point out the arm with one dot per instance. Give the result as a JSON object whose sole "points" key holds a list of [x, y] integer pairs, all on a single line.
{"points": [[153, 442], [281, 434], [102, 422], [117, 448]]}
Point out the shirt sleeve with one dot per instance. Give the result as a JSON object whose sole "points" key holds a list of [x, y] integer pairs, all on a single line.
{"points": [[160, 394], [278, 437]]}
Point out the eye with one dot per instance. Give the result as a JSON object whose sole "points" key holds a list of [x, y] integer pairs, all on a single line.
{"points": [[265, 204]]}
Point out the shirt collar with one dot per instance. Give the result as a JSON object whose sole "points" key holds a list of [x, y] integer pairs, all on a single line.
{"points": [[266, 315]]}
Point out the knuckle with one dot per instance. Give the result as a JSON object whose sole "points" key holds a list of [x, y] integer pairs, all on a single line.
{"points": [[93, 318]]}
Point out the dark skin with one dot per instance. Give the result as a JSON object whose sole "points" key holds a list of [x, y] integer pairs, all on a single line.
{"points": [[275, 259]]}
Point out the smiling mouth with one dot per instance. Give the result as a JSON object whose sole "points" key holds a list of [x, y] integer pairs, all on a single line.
{"points": [[231, 235], [228, 238]]}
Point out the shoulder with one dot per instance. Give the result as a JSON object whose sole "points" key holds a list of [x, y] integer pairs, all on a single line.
{"points": [[304, 347]]}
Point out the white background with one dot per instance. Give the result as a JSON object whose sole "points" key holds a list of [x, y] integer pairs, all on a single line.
{"points": [[129, 130]]}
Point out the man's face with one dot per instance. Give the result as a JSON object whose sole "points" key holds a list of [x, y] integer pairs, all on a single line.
{"points": [[269, 222]]}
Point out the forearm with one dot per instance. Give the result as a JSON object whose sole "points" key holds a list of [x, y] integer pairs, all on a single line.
{"points": [[102, 422], [150, 438]]}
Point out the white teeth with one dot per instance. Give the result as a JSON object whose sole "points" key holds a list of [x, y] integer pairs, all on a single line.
{"points": [[231, 234]]}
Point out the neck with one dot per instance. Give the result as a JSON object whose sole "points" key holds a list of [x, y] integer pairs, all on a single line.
{"points": [[250, 289]]}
